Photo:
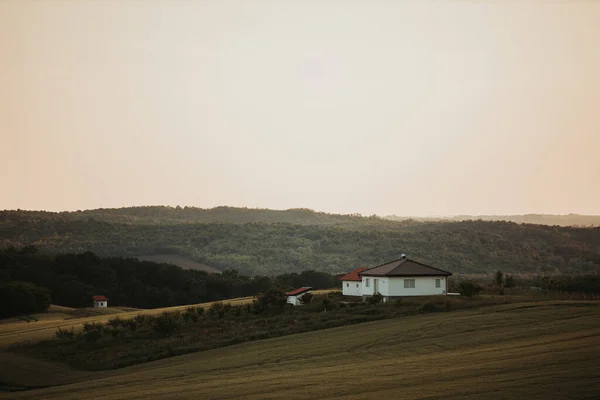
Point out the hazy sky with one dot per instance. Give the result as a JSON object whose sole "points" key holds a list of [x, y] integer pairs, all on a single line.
{"points": [[389, 107]]}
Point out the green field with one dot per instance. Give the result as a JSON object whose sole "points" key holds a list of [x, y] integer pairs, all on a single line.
{"points": [[527, 351]]}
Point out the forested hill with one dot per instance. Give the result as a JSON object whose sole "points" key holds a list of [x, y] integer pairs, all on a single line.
{"points": [[164, 215], [275, 248], [153, 215], [538, 219]]}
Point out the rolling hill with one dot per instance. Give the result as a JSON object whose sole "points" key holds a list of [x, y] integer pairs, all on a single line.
{"points": [[537, 219], [528, 350], [275, 247]]}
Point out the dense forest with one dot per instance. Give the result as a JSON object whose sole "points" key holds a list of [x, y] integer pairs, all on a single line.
{"points": [[322, 242], [29, 281], [538, 219]]}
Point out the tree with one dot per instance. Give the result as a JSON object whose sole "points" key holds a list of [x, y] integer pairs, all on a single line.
{"points": [[19, 298], [273, 298], [469, 288], [499, 280], [509, 282]]}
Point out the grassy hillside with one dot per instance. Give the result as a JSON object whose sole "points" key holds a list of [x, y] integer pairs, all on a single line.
{"points": [[271, 248], [529, 350], [180, 261], [17, 331]]}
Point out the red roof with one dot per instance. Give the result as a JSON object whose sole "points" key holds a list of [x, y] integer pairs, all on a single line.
{"points": [[353, 276], [298, 291], [100, 298]]}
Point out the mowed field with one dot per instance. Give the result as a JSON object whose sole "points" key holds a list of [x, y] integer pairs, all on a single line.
{"points": [[14, 330], [546, 350]]}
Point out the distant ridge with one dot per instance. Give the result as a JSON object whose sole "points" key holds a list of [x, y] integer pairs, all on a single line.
{"points": [[301, 216], [163, 215], [537, 219]]}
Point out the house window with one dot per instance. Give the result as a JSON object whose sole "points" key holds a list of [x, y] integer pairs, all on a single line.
{"points": [[347, 285], [438, 283], [357, 285], [409, 283], [367, 282]]}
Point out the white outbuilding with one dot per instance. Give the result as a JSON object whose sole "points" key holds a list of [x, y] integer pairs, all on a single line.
{"points": [[100, 301], [294, 296]]}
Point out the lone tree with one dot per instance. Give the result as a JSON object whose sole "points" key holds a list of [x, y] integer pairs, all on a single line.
{"points": [[499, 280]]}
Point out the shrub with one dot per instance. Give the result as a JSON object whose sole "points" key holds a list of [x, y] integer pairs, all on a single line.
{"points": [[326, 303], [218, 308], [92, 335], [93, 326], [375, 299], [115, 331], [65, 334], [132, 324], [115, 322], [165, 324], [469, 288]]}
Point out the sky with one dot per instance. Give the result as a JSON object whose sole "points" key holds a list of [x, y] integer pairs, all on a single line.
{"points": [[414, 107]]}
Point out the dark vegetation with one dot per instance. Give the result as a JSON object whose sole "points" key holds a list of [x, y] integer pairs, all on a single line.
{"points": [[122, 342], [72, 280], [266, 242], [29, 281], [19, 298]]}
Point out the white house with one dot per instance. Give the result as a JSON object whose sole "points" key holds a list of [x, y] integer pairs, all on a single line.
{"points": [[294, 296], [404, 277], [100, 301], [352, 283]]}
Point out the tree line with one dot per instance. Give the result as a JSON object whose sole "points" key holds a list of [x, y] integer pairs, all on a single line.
{"points": [[72, 279]]}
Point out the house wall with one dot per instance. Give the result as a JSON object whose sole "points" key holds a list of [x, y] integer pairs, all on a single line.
{"points": [[100, 304], [392, 287], [351, 288], [382, 285], [424, 286]]}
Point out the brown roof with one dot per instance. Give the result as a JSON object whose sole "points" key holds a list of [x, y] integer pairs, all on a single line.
{"points": [[296, 292], [100, 298], [405, 267], [353, 276]]}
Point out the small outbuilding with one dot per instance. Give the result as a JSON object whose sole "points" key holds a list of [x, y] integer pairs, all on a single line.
{"points": [[294, 296], [100, 301]]}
